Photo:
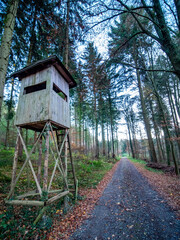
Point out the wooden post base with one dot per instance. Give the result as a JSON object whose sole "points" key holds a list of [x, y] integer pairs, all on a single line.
{"points": [[42, 195]]}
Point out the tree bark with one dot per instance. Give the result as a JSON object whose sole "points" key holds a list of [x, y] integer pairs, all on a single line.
{"points": [[164, 36], [76, 128], [108, 148], [66, 55], [146, 120], [177, 4], [156, 132], [32, 38], [6, 45], [96, 138], [174, 116], [111, 125], [10, 105], [166, 127], [130, 140], [102, 124]]}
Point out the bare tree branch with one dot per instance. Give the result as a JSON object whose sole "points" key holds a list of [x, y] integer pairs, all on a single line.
{"points": [[147, 70], [129, 39], [172, 12], [139, 23]]}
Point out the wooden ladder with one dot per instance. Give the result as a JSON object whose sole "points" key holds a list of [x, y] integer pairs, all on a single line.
{"points": [[63, 141]]}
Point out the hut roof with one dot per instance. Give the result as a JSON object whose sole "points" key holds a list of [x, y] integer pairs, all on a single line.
{"points": [[43, 64]]}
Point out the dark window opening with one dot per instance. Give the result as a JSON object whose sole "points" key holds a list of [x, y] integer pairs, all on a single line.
{"points": [[59, 92], [35, 88]]}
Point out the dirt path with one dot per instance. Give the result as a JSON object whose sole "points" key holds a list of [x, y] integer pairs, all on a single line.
{"points": [[129, 209]]}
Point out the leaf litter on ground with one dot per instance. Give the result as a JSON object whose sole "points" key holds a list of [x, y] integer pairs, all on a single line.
{"points": [[167, 184], [63, 227]]}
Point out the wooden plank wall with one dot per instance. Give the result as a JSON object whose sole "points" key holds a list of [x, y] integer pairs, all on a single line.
{"points": [[45, 104]]}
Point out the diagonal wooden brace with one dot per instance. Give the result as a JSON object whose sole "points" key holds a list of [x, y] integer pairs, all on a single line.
{"points": [[26, 161]]}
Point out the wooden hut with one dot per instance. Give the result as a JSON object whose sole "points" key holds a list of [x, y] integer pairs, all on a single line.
{"points": [[44, 107], [44, 94]]}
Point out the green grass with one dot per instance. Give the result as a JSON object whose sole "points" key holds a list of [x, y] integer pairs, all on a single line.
{"points": [[137, 160], [6, 158], [153, 170], [125, 155], [143, 163], [90, 172]]}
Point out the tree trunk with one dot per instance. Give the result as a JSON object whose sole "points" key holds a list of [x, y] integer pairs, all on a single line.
{"points": [[32, 38], [35, 138], [10, 105], [134, 138], [7, 135], [20, 151], [103, 139], [177, 4], [130, 140], [26, 141], [146, 120], [164, 37], [166, 127], [76, 128], [108, 148], [83, 135], [174, 116], [6, 45], [111, 125], [66, 58], [96, 138], [156, 132], [102, 125], [176, 96]]}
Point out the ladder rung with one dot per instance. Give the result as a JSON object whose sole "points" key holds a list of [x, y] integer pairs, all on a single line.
{"points": [[72, 190]]}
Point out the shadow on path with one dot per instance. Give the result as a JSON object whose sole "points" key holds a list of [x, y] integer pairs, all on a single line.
{"points": [[129, 209]]}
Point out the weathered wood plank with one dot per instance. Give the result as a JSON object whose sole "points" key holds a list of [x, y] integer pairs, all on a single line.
{"points": [[25, 202], [57, 197], [40, 215], [39, 161], [59, 81], [46, 104], [26, 161], [28, 194], [46, 159], [13, 180]]}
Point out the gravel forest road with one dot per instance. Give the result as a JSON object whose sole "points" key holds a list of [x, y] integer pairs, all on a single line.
{"points": [[129, 209]]}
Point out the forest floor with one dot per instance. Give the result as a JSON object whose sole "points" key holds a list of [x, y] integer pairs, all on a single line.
{"points": [[129, 208]]}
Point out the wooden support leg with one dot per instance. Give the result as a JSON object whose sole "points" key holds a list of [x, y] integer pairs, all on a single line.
{"points": [[40, 215], [16, 154], [45, 182], [20, 151], [76, 191], [35, 137], [65, 171], [39, 160], [65, 155], [73, 169]]}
